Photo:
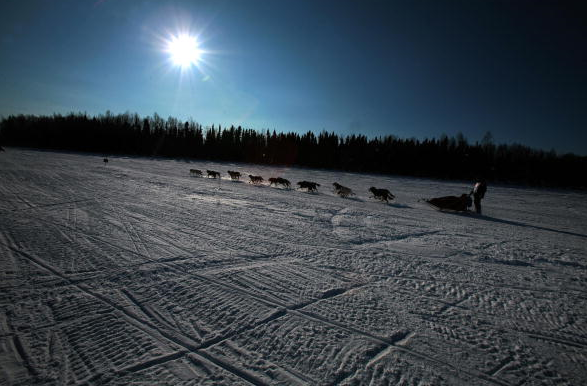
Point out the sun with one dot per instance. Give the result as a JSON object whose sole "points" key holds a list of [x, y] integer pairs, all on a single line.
{"points": [[184, 50]]}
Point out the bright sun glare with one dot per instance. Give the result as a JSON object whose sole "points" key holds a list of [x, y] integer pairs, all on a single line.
{"points": [[184, 50]]}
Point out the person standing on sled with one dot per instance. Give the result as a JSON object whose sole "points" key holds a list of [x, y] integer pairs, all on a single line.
{"points": [[478, 193]]}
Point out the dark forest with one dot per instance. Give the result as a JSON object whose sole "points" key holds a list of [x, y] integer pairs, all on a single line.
{"points": [[445, 157]]}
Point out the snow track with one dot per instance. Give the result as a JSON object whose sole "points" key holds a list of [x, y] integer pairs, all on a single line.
{"points": [[136, 271]]}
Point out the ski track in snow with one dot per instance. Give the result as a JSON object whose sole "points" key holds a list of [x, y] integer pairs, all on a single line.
{"points": [[135, 271]]}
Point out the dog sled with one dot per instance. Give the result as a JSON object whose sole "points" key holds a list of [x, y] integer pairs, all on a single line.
{"points": [[454, 204]]}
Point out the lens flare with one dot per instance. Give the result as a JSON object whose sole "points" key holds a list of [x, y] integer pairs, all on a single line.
{"points": [[184, 50]]}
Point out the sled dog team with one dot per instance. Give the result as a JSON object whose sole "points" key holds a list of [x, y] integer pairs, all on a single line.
{"points": [[342, 191], [448, 203]]}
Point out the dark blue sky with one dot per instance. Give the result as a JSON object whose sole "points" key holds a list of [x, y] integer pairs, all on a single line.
{"points": [[408, 68]]}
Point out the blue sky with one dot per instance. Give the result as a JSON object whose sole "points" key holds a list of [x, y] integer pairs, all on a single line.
{"points": [[407, 68]]}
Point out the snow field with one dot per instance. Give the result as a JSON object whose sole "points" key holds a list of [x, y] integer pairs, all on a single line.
{"points": [[135, 271]]}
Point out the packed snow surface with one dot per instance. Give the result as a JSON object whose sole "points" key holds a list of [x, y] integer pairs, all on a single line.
{"points": [[135, 271]]}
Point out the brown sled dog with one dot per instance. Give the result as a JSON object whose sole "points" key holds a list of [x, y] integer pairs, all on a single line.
{"points": [[279, 181], [381, 194], [213, 174], [255, 179], [308, 185], [234, 175], [342, 191]]}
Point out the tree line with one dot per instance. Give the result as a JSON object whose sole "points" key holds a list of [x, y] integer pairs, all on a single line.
{"points": [[445, 157]]}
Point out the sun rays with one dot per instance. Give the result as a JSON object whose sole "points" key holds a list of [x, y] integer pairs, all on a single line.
{"points": [[184, 50]]}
